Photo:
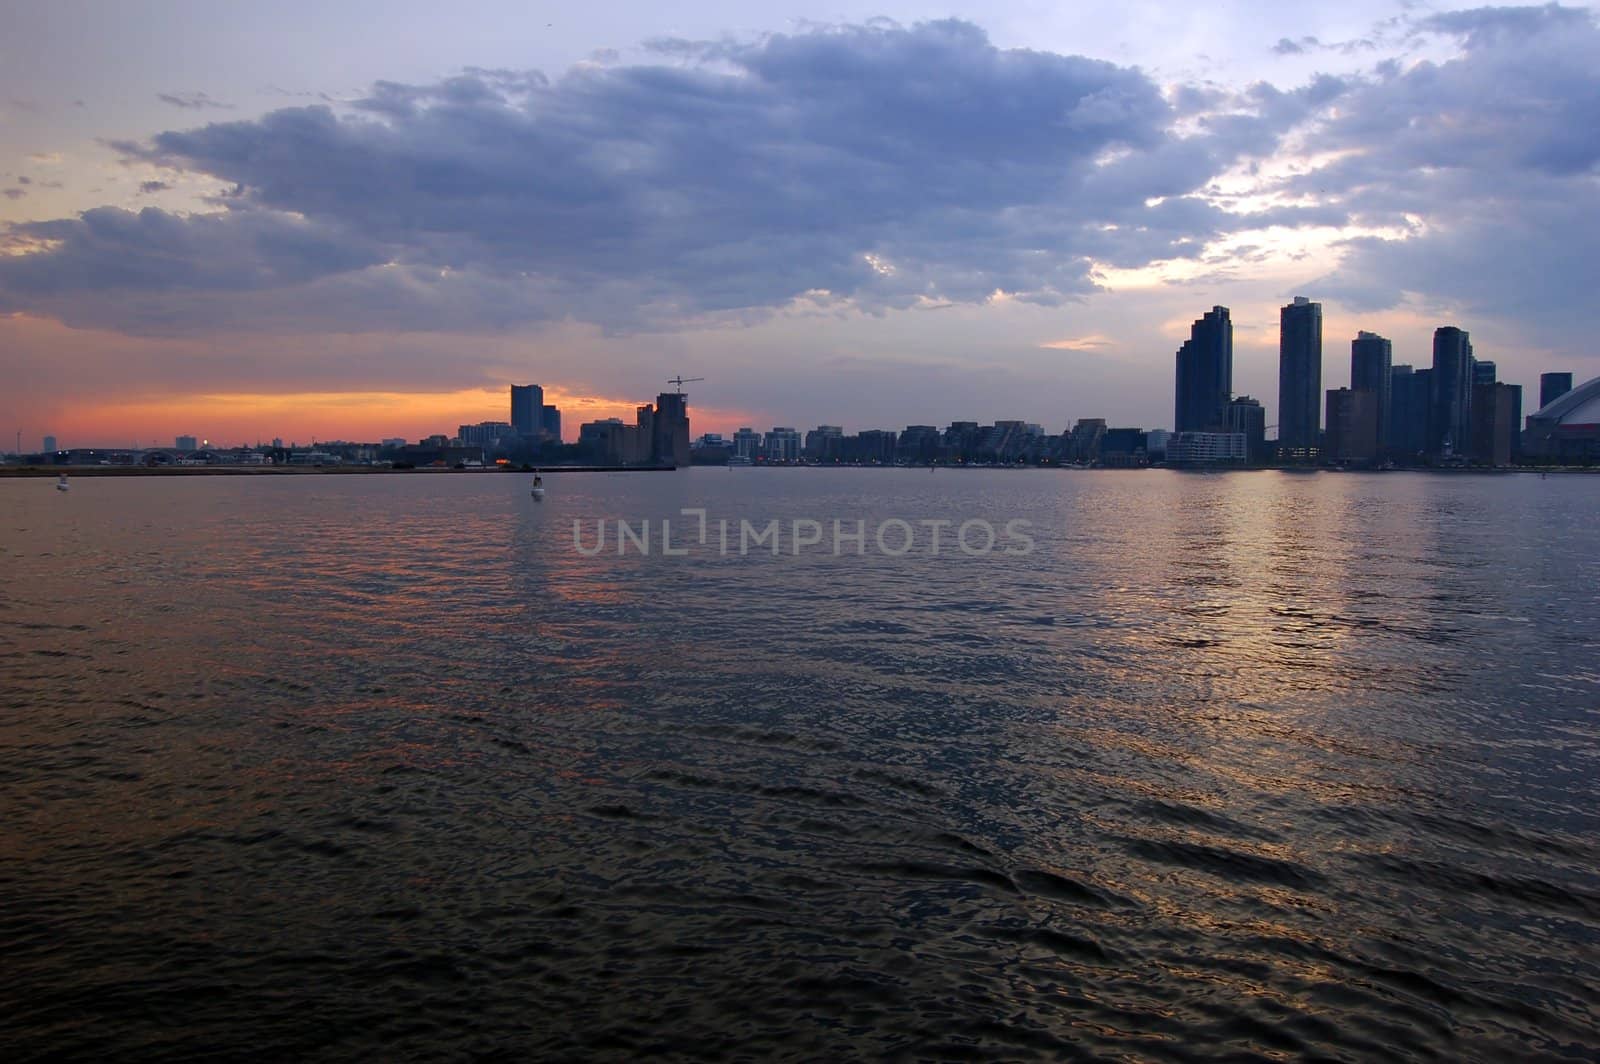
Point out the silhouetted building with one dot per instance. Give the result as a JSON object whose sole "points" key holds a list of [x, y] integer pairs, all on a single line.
{"points": [[50, 445], [1205, 374], [870, 447], [747, 444], [961, 440], [484, 433], [1516, 421], [1299, 380], [527, 409], [1371, 360], [1450, 406], [1553, 386], [182, 443], [1352, 426], [550, 421], [671, 429], [1083, 445], [918, 443], [1410, 400], [1483, 372], [1494, 422], [1248, 417], [1123, 447]]}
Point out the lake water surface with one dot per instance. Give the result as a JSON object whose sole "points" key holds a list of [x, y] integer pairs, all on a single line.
{"points": [[1245, 766]]}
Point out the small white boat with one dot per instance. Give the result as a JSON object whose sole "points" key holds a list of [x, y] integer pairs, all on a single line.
{"points": [[538, 487], [538, 493], [61, 483]]}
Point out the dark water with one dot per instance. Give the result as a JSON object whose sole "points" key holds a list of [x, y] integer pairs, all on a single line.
{"points": [[1252, 766]]}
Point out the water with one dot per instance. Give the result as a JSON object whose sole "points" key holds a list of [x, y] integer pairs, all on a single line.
{"points": [[1254, 766]]}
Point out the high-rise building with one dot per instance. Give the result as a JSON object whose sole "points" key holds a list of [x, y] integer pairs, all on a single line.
{"points": [[1553, 386], [550, 421], [671, 432], [1494, 422], [1249, 417], [1410, 394], [49, 444], [1299, 380], [1352, 425], [1450, 405], [527, 408], [1483, 372], [186, 443], [1205, 374], [1371, 359], [1516, 420]]}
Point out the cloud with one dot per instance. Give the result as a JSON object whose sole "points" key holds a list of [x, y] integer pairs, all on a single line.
{"points": [[1285, 46], [13, 193], [882, 166], [1486, 167], [1079, 343], [192, 101], [147, 187]]}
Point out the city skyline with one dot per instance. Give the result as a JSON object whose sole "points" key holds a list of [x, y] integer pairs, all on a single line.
{"points": [[154, 280], [1209, 403]]}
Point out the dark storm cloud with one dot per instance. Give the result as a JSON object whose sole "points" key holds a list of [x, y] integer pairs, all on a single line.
{"points": [[161, 262], [882, 164], [1488, 160]]}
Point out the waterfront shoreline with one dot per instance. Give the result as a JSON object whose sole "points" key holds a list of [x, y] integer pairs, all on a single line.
{"points": [[24, 472]]}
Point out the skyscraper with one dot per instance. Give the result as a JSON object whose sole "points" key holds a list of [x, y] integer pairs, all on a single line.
{"points": [[1494, 413], [671, 429], [1299, 379], [1483, 372], [1450, 405], [1371, 359], [49, 444], [1205, 374], [527, 409], [1553, 386], [550, 421], [1352, 425], [1410, 395]]}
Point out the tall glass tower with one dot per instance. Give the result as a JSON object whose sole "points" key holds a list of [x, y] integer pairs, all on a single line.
{"points": [[1299, 379], [1371, 360], [1450, 406], [1205, 375]]}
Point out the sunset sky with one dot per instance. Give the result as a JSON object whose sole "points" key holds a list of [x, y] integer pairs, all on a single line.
{"points": [[242, 221]]}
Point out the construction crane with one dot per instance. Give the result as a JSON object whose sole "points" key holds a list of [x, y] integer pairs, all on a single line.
{"points": [[680, 381]]}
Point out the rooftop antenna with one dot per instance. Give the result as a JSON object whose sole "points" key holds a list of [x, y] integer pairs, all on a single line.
{"points": [[681, 380]]}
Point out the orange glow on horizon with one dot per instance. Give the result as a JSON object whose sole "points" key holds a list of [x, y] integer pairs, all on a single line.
{"points": [[230, 419]]}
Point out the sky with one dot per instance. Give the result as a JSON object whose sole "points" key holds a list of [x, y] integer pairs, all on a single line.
{"points": [[364, 220]]}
